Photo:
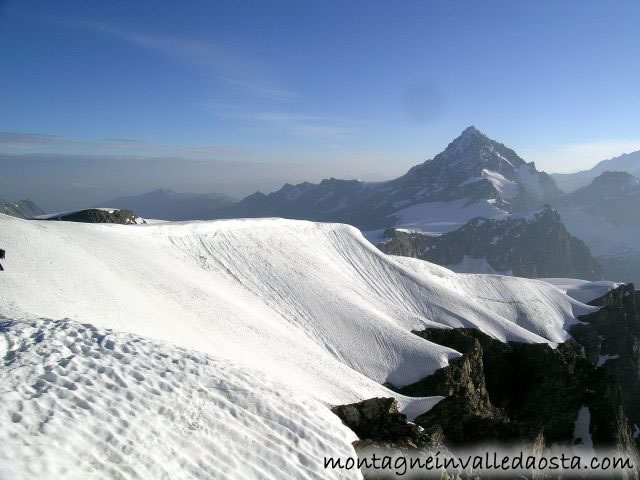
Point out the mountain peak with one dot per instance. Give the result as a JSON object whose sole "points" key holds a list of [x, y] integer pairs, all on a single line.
{"points": [[473, 138], [471, 131], [476, 152]]}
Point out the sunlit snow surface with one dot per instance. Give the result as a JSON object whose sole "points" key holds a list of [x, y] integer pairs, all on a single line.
{"points": [[313, 308], [80, 402], [443, 217], [583, 290]]}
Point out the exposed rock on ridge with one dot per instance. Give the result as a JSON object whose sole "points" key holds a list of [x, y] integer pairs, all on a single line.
{"points": [[98, 215], [513, 392]]}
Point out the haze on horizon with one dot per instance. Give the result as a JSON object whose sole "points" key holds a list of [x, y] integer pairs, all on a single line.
{"points": [[100, 99]]}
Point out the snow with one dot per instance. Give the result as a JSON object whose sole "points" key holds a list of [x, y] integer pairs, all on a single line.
{"points": [[506, 187], [581, 428], [442, 217], [314, 308], [531, 180], [79, 402], [602, 359], [583, 290]]}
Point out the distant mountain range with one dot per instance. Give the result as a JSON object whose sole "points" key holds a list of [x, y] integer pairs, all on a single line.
{"points": [[612, 196], [474, 176], [604, 215], [535, 246], [166, 204], [21, 208], [628, 162]]}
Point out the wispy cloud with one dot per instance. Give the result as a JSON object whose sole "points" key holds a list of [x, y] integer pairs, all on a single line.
{"points": [[298, 124], [120, 140], [262, 91], [23, 140], [226, 65], [38, 142]]}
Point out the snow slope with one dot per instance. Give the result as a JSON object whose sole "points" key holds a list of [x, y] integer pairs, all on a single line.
{"points": [[313, 307], [80, 402], [583, 290], [442, 217]]}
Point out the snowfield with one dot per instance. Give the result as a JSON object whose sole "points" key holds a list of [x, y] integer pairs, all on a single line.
{"points": [[80, 402], [269, 321], [444, 217]]}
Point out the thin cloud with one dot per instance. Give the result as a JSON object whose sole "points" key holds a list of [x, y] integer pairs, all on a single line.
{"points": [[227, 66], [120, 140], [262, 91], [293, 123], [32, 142], [25, 140]]}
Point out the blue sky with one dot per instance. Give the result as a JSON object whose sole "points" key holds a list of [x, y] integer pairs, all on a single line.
{"points": [[344, 88]]}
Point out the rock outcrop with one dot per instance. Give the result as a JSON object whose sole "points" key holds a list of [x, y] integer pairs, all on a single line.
{"points": [[611, 341], [535, 246], [99, 215], [516, 393], [377, 420]]}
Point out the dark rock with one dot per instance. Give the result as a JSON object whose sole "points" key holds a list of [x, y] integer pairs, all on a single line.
{"points": [[506, 392], [96, 215], [377, 421], [537, 246], [611, 340]]}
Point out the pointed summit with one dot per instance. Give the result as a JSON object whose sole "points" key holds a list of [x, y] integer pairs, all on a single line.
{"points": [[471, 135], [473, 151], [471, 130]]}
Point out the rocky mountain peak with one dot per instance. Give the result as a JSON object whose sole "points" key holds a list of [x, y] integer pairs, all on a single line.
{"points": [[475, 151], [472, 170], [471, 131]]}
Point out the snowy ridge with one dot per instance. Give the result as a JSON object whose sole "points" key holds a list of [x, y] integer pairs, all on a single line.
{"points": [[314, 307], [583, 290]]}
